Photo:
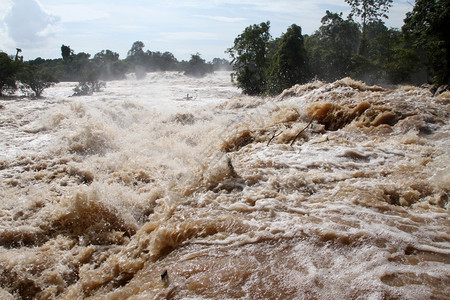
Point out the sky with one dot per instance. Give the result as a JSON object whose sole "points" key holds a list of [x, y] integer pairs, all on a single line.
{"points": [[208, 27]]}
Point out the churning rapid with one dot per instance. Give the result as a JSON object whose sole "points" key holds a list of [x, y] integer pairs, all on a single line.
{"points": [[174, 187]]}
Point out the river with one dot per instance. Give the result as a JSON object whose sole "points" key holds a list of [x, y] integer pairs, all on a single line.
{"points": [[176, 187]]}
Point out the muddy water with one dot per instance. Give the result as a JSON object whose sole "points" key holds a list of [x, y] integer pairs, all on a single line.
{"points": [[328, 191]]}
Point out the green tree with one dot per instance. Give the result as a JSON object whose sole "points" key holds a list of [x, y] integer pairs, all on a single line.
{"points": [[36, 80], [428, 27], [89, 83], [136, 59], [249, 58], [389, 59], [197, 66], [162, 61], [109, 65], [221, 64], [8, 70], [66, 52], [78, 66], [369, 11], [288, 65], [18, 58], [106, 56], [392, 57], [137, 49], [331, 47]]}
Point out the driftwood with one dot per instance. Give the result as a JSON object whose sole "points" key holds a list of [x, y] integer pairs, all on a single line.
{"points": [[300, 132], [274, 136]]}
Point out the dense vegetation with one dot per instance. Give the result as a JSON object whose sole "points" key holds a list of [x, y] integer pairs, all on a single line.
{"points": [[33, 76], [366, 50], [341, 47]]}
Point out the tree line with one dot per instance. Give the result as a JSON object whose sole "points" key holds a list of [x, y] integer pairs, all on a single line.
{"points": [[366, 50], [33, 76], [341, 47]]}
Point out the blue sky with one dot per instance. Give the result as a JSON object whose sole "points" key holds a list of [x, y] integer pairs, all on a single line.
{"points": [[40, 27]]}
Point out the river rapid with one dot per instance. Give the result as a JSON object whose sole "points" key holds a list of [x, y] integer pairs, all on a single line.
{"points": [[175, 187]]}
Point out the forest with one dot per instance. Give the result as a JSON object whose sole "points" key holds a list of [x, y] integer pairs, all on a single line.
{"points": [[33, 76], [359, 45], [366, 50]]}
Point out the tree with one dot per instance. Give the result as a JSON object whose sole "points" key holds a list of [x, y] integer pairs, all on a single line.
{"points": [[109, 65], [89, 83], [393, 58], [428, 27], [66, 52], [136, 49], [18, 58], [35, 80], [136, 57], [249, 58], [162, 61], [106, 56], [331, 47], [369, 11], [78, 65], [197, 67], [288, 65], [221, 64], [8, 71]]}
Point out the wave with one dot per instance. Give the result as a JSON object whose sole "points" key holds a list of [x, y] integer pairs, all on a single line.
{"points": [[328, 190]]}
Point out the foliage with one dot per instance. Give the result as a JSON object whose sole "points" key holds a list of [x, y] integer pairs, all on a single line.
{"points": [[86, 88], [221, 64], [262, 65], [288, 65], [369, 11], [109, 65], [332, 46], [391, 54], [249, 58], [66, 52], [333, 52], [137, 50], [141, 62], [36, 75], [8, 70], [197, 67], [136, 59], [35, 80], [89, 83], [427, 26], [158, 61], [81, 67]]}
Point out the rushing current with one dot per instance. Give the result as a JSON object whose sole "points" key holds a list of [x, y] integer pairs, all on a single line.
{"points": [[174, 187]]}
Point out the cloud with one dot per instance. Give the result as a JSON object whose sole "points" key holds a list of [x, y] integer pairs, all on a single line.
{"points": [[82, 11], [28, 24]]}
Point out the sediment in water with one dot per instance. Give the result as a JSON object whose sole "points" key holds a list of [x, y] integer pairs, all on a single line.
{"points": [[101, 195]]}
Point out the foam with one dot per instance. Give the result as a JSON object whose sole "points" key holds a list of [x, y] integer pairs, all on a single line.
{"points": [[102, 194]]}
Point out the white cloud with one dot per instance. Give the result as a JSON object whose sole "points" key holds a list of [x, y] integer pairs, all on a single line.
{"points": [[79, 12], [4, 7], [28, 24]]}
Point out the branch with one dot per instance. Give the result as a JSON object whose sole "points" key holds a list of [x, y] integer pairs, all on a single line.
{"points": [[301, 132], [274, 136]]}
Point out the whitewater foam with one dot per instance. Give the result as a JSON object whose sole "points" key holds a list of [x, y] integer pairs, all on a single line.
{"points": [[103, 194]]}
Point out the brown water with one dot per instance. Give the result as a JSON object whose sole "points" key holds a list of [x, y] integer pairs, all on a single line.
{"points": [[100, 195]]}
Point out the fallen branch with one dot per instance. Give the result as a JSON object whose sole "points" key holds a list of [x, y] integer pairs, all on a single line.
{"points": [[274, 136], [301, 132]]}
